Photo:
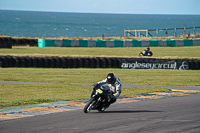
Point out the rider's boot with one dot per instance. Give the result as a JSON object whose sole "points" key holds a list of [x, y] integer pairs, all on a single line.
{"points": [[105, 105]]}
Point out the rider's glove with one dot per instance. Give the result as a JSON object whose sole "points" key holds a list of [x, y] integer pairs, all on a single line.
{"points": [[96, 86]]}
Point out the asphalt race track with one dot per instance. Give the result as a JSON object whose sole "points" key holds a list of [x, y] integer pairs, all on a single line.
{"points": [[179, 114]]}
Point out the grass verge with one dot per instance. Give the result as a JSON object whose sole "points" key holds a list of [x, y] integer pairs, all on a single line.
{"points": [[83, 75], [15, 94], [18, 94], [158, 52]]}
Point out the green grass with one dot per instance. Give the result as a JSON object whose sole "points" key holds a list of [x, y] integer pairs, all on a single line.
{"points": [[25, 94], [159, 52], [22, 94], [17, 94], [82, 75]]}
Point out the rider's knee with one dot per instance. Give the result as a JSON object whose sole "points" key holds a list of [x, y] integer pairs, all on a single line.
{"points": [[113, 99]]}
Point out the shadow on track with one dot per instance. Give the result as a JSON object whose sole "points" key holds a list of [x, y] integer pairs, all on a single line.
{"points": [[129, 111]]}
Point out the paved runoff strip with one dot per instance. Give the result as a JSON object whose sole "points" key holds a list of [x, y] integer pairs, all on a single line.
{"points": [[47, 108], [64, 106]]}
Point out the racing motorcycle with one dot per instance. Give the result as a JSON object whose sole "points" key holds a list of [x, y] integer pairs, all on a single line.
{"points": [[148, 54], [99, 99]]}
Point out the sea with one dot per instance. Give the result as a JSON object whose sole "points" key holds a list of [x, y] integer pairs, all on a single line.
{"points": [[65, 24]]}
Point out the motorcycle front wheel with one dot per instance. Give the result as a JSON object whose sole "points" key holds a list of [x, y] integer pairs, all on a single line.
{"points": [[88, 106]]}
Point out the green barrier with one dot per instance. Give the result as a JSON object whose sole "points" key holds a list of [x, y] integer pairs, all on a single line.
{"points": [[49, 42], [114, 43], [136, 43], [83, 43], [66, 43], [171, 43], [118, 43], [100, 43], [188, 42], [41, 42], [153, 43]]}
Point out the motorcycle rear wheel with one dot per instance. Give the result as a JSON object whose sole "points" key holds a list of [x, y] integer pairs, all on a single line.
{"points": [[150, 53], [88, 106]]}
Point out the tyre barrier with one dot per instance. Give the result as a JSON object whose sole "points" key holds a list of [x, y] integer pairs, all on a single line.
{"points": [[24, 42], [6, 42], [99, 62]]}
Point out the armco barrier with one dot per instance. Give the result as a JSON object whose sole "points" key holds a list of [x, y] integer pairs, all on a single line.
{"points": [[188, 42], [110, 43], [46, 42], [8, 42], [66, 43], [58, 43], [91, 43], [100, 43], [128, 43], [117, 43], [145, 43], [179, 42], [83, 43], [153, 43], [75, 43], [137, 43], [162, 43], [99, 62], [171, 43], [196, 42]]}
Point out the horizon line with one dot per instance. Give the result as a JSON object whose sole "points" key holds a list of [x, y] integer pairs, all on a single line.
{"points": [[94, 12]]}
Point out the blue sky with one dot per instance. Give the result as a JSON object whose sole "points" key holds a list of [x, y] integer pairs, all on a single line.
{"points": [[106, 6]]}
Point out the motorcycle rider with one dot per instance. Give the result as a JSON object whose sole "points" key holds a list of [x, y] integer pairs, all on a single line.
{"points": [[146, 51], [114, 85]]}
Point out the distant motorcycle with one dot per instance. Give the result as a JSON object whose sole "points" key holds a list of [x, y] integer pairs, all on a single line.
{"points": [[149, 53], [98, 100]]}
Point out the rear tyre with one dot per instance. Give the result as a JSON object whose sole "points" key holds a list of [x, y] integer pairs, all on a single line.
{"points": [[89, 105], [150, 53]]}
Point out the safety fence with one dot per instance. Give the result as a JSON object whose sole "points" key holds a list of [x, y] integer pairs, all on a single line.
{"points": [[8, 42], [146, 32], [116, 43], [99, 62]]}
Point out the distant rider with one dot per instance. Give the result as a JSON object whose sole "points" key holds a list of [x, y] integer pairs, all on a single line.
{"points": [[114, 85], [146, 51]]}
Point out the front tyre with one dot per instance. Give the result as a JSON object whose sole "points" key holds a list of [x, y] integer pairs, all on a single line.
{"points": [[89, 105]]}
